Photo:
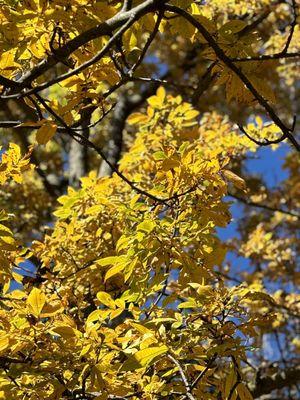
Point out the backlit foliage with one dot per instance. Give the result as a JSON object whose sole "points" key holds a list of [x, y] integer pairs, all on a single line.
{"points": [[122, 286]]}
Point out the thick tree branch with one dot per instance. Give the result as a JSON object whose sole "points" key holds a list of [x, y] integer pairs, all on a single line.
{"points": [[106, 28], [287, 132], [285, 378]]}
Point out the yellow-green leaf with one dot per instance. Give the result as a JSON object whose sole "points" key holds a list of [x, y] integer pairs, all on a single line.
{"points": [[146, 226], [143, 358], [106, 299]]}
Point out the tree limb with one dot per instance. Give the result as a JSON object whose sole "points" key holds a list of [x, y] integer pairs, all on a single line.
{"points": [[287, 132], [103, 29], [280, 380]]}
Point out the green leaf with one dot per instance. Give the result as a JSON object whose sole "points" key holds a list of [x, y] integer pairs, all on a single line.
{"points": [[159, 155]]}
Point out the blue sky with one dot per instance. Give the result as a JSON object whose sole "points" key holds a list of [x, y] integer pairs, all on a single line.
{"points": [[266, 163]]}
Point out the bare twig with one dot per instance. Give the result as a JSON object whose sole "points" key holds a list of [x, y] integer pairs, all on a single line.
{"points": [[258, 142]]}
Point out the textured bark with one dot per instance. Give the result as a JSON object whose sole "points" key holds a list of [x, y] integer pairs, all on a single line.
{"points": [[115, 140], [78, 154], [123, 109]]}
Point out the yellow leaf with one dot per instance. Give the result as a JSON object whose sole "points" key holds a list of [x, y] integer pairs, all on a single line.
{"points": [[158, 100], [52, 309], [236, 180], [106, 299], [85, 350], [170, 163], [244, 392], [103, 262], [94, 316], [4, 341], [7, 60], [116, 313], [232, 27], [205, 292], [6, 237], [36, 301], [143, 358], [137, 118], [46, 132], [187, 304], [142, 329], [229, 383], [191, 114], [161, 94], [117, 269], [65, 331]]}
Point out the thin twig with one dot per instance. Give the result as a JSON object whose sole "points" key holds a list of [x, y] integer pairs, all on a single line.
{"points": [[264, 206], [203, 373], [86, 142], [265, 57], [84, 65], [148, 43], [292, 26]]}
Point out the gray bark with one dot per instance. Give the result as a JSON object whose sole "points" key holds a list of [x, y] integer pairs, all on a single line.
{"points": [[78, 154]]}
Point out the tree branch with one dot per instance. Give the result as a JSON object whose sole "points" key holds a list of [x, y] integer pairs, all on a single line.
{"points": [[103, 29], [285, 378], [265, 57], [86, 142], [292, 26], [186, 383], [287, 132], [263, 206]]}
